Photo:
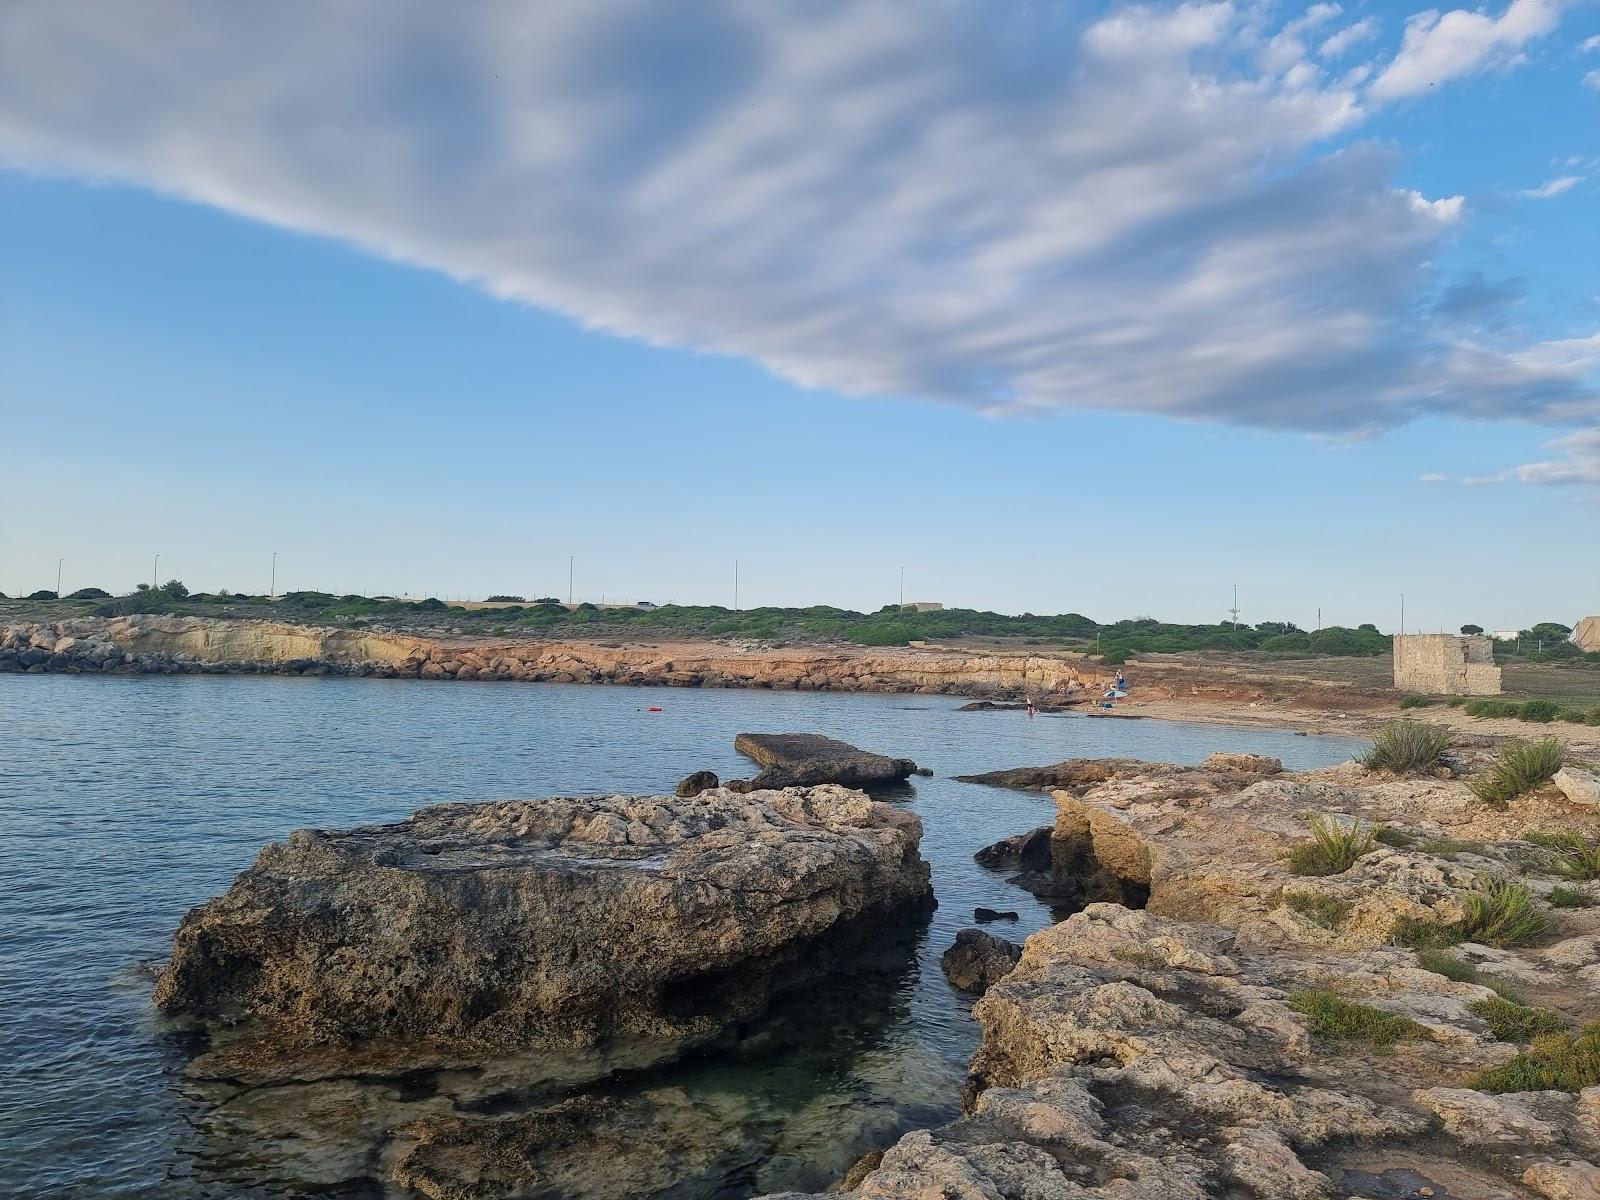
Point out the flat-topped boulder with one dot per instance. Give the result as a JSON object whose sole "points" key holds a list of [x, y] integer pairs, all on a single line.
{"points": [[487, 927], [800, 759]]}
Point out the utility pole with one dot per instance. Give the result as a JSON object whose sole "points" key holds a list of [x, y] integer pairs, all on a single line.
{"points": [[736, 585], [58, 577], [272, 593], [155, 570], [1319, 620], [902, 587], [570, 559], [1235, 609], [1402, 614]]}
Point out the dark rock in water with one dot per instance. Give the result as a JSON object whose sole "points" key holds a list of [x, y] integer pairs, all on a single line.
{"points": [[985, 915], [992, 706], [802, 759], [568, 921], [1073, 773], [692, 785], [978, 960]]}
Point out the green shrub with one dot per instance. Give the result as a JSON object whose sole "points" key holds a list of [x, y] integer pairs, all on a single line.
{"points": [[1333, 848], [1446, 847], [1522, 767], [1499, 913], [1405, 746], [1511, 1022], [1419, 701], [89, 593], [1562, 1062], [1334, 1018], [1319, 909], [43, 594], [1575, 856], [1442, 962], [1562, 896], [1502, 913]]}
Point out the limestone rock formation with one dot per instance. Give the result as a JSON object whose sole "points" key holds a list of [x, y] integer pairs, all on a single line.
{"points": [[483, 927], [979, 960], [694, 783], [799, 759]]}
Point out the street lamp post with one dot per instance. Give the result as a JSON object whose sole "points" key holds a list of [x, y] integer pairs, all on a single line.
{"points": [[902, 587], [58, 577], [736, 585], [155, 572], [570, 559], [272, 590]]}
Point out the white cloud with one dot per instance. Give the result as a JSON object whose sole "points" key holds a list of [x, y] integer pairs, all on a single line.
{"points": [[1590, 44], [936, 202], [1554, 188], [1438, 47], [1591, 79], [1580, 464], [1433, 477], [1336, 44], [1484, 480]]}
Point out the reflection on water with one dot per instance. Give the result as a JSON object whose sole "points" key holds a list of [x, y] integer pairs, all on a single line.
{"points": [[124, 801]]}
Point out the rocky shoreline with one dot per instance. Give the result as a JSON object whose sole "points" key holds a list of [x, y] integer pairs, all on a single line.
{"points": [[1227, 1014], [144, 644]]}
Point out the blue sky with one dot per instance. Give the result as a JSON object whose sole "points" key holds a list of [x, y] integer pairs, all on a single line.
{"points": [[1064, 307]]}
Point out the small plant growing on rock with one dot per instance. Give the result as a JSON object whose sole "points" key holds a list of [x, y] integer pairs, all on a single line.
{"points": [[1333, 848], [1502, 913], [1562, 1062], [1407, 746], [1576, 856], [1562, 896], [1523, 766], [1499, 913], [1513, 1022], [1336, 1019], [1442, 962], [1319, 909]]}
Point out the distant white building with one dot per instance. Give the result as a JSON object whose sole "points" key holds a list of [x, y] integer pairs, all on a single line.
{"points": [[923, 605], [1506, 635]]}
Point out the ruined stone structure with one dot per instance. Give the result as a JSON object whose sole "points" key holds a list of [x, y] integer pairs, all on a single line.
{"points": [[1442, 664], [1587, 635]]}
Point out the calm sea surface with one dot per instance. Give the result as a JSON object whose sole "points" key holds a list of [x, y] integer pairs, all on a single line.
{"points": [[125, 801]]}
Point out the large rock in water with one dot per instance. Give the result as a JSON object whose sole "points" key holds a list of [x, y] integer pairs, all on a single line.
{"points": [[799, 759], [484, 927]]}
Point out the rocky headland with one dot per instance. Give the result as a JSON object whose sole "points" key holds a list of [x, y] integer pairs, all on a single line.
{"points": [[1340, 983], [144, 644]]}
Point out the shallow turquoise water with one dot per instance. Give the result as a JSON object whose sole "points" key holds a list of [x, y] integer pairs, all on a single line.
{"points": [[125, 801]]}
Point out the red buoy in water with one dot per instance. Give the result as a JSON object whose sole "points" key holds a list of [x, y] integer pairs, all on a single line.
{"points": [[653, 708]]}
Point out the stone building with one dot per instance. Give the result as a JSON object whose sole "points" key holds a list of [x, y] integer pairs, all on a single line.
{"points": [[1587, 635], [1442, 664]]}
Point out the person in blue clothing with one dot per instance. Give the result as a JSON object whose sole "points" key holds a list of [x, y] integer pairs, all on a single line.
{"points": [[1122, 681]]}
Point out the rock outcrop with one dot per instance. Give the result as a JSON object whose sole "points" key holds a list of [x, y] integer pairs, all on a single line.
{"points": [[487, 927], [150, 644], [692, 784], [978, 960], [802, 759]]}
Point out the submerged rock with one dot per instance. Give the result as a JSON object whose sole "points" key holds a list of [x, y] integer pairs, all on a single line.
{"points": [[979, 960], [489, 927], [799, 759], [984, 915]]}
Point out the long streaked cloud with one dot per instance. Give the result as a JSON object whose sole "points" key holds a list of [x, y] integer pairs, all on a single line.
{"points": [[1578, 461], [1554, 187], [1159, 211]]}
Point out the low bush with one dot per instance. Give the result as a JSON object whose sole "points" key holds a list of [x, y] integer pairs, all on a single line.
{"points": [[1574, 856], [1442, 962], [1406, 746], [1499, 913], [1562, 896], [1447, 847], [1419, 701], [89, 593], [1318, 909], [1334, 1018], [1333, 848], [1512, 1022], [1502, 913], [1563, 1062], [1522, 767], [42, 594]]}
